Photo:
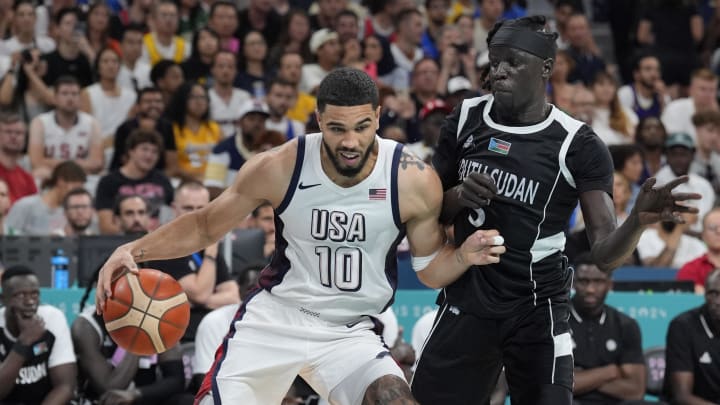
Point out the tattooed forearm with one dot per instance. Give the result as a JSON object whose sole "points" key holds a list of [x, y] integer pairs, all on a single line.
{"points": [[388, 390], [408, 159], [139, 256]]}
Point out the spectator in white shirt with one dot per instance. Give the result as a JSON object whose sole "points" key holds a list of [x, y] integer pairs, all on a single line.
{"points": [[612, 122], [24, 28], [707, 159], [225, 99], [677, 115], [134, 73]]}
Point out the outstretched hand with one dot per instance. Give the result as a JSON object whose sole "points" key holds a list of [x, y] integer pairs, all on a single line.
{"points": [[656, 204]]}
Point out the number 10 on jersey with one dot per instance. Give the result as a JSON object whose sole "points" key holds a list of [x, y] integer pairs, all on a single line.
{"points": [[343, 267]]}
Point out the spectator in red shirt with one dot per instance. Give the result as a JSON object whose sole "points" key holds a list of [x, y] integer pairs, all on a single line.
{"points": [[12, 141], [697, 270]]}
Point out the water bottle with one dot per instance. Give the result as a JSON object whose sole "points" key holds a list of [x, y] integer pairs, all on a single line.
{"points": [[259, 90], [59, 268]]}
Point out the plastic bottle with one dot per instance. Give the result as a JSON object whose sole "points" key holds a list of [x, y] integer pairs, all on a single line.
{"points": [[259, 90], [59, 268]]}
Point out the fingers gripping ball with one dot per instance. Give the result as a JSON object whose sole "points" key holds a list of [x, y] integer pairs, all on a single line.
{"points": [[147, 313]]}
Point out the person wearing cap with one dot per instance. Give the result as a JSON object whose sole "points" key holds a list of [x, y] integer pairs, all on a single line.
{"points": [[431, 118], [325, 45], [458, 89], [679, 155], [230, 154], [511, 161]]}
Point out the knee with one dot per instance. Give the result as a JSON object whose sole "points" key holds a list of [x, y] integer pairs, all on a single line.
{"points": [[388, 390]]}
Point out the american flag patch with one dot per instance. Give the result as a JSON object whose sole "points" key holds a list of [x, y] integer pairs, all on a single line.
{"points": [[377, 193]]}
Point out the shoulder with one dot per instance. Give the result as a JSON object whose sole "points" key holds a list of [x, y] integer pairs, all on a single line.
{"points": [[695, 264], [225, 146], [54, 318], [685, 319], [679, 105], [85, 118], [418, 184], [623, 320]]}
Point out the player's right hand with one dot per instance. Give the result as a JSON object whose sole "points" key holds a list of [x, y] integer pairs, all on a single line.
{"points": [[482, 247], [119, 262], [31, 329], [476, 191]]}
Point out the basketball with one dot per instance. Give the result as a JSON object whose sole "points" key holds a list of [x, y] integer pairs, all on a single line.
{"points": [[147, 313]]}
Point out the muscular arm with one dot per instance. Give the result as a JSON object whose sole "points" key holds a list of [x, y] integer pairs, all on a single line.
{"points": [[682, 388], [610, 246], [266, 176], [422, 194], [101, 375], [63, 379]]}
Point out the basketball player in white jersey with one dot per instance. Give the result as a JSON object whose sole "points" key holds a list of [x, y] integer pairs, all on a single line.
{"points": [[65, 133], [343, 200]]}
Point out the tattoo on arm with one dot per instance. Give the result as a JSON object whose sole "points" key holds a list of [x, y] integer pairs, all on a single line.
{"points": [[408, 159], [138, 257], [388, 390]]}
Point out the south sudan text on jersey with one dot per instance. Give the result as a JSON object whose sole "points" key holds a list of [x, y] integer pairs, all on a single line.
{"points": [[508, 184]]}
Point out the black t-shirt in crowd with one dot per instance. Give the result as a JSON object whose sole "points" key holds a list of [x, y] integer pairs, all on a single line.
{"points": [[693, 345], [155, 188], [540, 172], [58, 66], [163, 126], [613, 338], [183, 266]]}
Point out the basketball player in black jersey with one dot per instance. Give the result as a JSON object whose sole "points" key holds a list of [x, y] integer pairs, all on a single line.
{"points": [[511, 161]]}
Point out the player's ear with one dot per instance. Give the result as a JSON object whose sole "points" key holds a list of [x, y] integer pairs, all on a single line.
{"points": [[547, 68], [317, 117], [378, 111]]}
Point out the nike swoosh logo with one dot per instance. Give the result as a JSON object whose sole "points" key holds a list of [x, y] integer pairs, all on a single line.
{"points": [[303, 187]]}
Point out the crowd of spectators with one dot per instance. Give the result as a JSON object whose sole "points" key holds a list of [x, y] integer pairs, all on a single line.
{"points": [[117, 116]]}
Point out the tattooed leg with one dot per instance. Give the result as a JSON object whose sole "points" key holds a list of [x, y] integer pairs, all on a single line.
{"points": [[388, 390]]}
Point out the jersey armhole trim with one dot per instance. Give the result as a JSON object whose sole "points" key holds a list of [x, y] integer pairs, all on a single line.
{"points": [[394, 200], [295, 176], [467, 104]]}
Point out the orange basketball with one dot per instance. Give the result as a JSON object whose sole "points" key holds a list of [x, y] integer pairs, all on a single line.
{"points": [[147, 313]]}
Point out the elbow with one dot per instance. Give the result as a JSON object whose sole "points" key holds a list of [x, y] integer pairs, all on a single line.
{"points": [[196, 296], [428, 280]]}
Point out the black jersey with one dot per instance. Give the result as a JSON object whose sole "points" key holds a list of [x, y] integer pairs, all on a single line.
{"points": [[612, 338], [540, 171], [693, 346]]}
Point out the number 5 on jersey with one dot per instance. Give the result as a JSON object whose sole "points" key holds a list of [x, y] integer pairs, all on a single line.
{"points": [[343, 267]]}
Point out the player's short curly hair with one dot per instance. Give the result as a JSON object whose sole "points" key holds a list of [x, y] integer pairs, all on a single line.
{"points": [[347, 87]]}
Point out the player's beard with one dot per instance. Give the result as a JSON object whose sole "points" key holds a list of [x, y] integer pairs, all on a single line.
{"points": [[348, 171]]}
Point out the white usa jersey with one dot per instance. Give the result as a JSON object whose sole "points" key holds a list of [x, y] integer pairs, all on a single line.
{"points": [[73, 143], [335, 247]]}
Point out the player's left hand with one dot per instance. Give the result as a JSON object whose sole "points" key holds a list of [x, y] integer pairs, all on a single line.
{"points": [[481, 248], [655, 204]]}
